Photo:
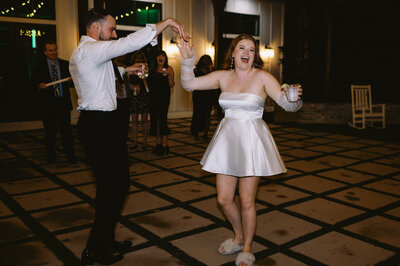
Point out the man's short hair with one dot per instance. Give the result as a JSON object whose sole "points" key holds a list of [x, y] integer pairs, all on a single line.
{"points": [[48, 41], [95, 15]]}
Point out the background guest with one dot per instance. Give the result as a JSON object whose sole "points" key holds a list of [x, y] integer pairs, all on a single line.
{"points": [[203, 101], [139, 99], [161, 80], [54, 102]]}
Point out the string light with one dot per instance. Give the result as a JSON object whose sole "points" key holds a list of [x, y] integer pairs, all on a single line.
{"points": [[132, 12], [31, 14], [40, 5]]}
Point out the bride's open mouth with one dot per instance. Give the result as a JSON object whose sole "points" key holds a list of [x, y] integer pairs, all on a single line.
{"points": [[245, 59]]}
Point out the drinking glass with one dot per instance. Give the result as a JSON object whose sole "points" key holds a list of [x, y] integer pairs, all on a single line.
{"points": [[292, 93], [144, 72]]}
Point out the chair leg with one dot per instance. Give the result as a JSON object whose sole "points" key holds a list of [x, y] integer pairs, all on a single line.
{"points": [[355, 126]]}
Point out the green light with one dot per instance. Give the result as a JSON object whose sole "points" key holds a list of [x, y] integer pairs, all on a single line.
{"points": [[33, 38]]}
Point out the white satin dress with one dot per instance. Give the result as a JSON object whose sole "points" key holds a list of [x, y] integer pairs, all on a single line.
{"points": [[242, 144]]}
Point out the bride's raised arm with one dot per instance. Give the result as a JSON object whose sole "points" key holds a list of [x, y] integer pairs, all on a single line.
{"points": [[188, 80]]}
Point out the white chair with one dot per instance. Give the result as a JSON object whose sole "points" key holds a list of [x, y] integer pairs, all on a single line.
{"points": [[364, 112]]}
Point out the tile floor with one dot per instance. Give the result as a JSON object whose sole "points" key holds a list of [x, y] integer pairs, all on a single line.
{"points": [[338, 204]]}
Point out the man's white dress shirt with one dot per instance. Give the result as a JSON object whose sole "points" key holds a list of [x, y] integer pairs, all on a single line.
{"points": [[92, 70]]}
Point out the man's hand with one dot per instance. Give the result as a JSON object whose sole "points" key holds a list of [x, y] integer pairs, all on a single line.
{"points": [[179, 28], [175, 25], [134, 69], [42, 86]]}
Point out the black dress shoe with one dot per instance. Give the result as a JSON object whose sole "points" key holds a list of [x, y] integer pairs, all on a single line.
{"points": [[104, 258], [166, 149], [121, 246], [157, 149], [161, 151]]}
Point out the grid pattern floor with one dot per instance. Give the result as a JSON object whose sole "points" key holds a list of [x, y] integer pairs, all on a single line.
{"points": [[338, 204]]}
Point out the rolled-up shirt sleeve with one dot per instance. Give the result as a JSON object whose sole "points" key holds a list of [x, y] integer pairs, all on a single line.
{"points": [[92, 71], [104, 51]]}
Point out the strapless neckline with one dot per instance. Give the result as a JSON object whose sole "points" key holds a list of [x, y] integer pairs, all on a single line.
{"points": [[238, 93]]}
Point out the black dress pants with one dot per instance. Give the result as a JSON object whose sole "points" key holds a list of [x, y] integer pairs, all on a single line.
{"points": [[98, 132], [123, 118], [58, 117]]}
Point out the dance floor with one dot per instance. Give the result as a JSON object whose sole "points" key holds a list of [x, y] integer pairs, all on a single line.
{"points": [[338, 204]]}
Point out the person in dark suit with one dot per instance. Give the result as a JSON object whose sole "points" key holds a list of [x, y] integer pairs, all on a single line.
{"points": [[54, 102]]}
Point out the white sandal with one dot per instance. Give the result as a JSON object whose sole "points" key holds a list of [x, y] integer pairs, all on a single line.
{"points": [[229, 247], [245, 257]]}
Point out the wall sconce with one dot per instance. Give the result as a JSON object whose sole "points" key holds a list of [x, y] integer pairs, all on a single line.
{"points": [[171, 49], [210, 50], [267, 52]]}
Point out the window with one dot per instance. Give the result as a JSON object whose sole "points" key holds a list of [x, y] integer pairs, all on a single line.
{"points": [[21, 45], [131, 16], [134, 13], [234, 23], [37, 9]]}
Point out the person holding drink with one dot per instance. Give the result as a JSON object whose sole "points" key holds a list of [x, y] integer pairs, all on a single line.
{"points": [[291, 92], [160, 80], [139, 101], [242, 148]]}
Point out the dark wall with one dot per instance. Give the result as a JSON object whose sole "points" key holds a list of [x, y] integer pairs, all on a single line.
{"points": [[331, 44]]}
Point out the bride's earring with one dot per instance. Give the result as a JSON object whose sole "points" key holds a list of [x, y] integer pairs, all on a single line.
{"points": [[232, 62]]}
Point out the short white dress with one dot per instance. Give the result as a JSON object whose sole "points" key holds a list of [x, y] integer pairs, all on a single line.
{"points": [[242, 144]]}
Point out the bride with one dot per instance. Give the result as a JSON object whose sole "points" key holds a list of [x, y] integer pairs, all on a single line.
{"points": [[242, 148]]}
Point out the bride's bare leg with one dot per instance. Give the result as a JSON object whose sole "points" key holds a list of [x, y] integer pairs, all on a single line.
{"points": [[226, 186], [247, 194]]}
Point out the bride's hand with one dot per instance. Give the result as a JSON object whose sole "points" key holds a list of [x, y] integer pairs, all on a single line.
{"points": [[184, 48]]}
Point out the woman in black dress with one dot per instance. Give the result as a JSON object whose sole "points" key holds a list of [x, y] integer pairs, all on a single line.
{"points": [[203, 100], [160, 80], [139, 100]]}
